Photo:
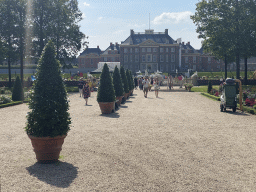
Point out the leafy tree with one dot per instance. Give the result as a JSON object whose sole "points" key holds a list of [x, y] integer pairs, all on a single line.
{"points": [[223, 26], [17, 94], [49, 115], [127, 73], [106, 92], [124, 80], [117, 81]]}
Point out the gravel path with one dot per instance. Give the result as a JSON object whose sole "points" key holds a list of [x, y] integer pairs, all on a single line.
{"points": [[178, 142]]}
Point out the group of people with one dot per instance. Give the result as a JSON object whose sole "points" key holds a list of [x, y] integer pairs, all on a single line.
{"points": [[84, 89], [145, 85]]}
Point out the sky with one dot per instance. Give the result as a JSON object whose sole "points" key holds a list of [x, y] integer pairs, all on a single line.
{"points": [[106, 21]]}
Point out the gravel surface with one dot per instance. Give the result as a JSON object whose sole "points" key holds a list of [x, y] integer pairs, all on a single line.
{"points": [[177, 142]]}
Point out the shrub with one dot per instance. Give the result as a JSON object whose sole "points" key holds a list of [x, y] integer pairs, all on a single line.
{"points": [[17, 94], [5, 99], [209, 86], [117, 81], [106, 92], [48, 99], [124, 80], [132, 80], [127, 73]]}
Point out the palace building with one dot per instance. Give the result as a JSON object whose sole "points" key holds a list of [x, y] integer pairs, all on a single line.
{"points": [[152, 51]]}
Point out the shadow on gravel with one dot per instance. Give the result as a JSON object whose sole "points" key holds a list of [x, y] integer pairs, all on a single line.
{"points": [[128, 101], [123, 106], [236, 113], [60, 174], [111, 115]]}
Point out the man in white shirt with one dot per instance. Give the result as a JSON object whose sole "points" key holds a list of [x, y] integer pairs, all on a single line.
{"points": [[145, 86]]}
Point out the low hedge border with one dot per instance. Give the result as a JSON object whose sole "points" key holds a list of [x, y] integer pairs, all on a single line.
{"points": [[10, 104], [211, 96], [245, 108]]}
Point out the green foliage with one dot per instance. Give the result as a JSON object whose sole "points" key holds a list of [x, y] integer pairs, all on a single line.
{"points": [[132, 80], [127, 73], [117, 81], [106, 92], [124, 80], [5, 99], [17, 94], [11, 103], [209, 86], [48, 99]]}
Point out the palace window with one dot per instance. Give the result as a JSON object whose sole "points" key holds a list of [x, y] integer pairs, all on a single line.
{"points": [[173, 49], [126, 58], [136, 50], [154, 49], [143, 58], [131, 58], [166, 50], [161, 67], [149, 50], [186, 59], [136, 58], [172, 58], [172, 67], [154, 58], [194, 59], [166, 58], [149, 58], [113, 59], [161, 58], [209, 59], [143, 49], [91, 61], [105, 59], [161, 50], [125, 50], [130, 50]]}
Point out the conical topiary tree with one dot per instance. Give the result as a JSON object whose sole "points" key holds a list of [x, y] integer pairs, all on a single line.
{"points": [[124, 80], [117, 81], [48, 100], [127, 73], [209, 86], [132, 80], [17, 94], [106, 92]]}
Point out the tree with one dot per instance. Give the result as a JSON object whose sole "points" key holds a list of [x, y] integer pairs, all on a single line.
{"points": [[17, 94], [124, 80], [223, 26], [8, 30], [117, 81], [106, 92], [49, 116], [127, 73]]}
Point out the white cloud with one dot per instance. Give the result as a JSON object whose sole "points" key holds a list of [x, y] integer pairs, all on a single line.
{"points": [[100, 18], [174, 17], [83, 16], [119, 32], [86, 4]]}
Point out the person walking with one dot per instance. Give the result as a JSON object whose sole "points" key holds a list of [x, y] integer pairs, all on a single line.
{"points": [[86, 92], [140, 83], [80, 86], [145, 84], [156, 87], [135, 82]]}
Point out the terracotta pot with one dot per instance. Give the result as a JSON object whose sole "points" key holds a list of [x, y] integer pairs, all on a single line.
{"points": [[106, 107], [119, 98], [126, 95], [47, 149]]}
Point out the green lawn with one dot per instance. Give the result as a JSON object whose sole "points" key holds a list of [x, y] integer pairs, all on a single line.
{"points": [[203, 88]]}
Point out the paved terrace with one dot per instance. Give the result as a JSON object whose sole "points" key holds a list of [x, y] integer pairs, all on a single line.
{"points": [[178, 142]]}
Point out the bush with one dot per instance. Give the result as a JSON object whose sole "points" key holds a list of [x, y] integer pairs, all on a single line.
{"points": [[117, 81], [127, 73], [124, 80], [17, 94], [106, 92], [209, 86], [5, 99], [48, 99]]}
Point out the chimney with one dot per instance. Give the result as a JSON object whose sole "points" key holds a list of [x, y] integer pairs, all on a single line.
{"points": [[111, 44], [182, 43], [116, 43], [132, 32], [98, 46], [188, 43], [166, 32]]}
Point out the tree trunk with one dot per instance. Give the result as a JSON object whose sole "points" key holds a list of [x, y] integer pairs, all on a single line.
{"points": [[226, 67], [245, 71]]}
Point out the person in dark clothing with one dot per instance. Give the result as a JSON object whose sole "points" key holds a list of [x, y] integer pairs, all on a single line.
{"points": [[135, 82]]}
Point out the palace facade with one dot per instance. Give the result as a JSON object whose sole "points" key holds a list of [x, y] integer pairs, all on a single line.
{"points": [[152, 51]]}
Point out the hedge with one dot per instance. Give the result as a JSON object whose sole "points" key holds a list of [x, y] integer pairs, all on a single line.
{"points": [[10, 104]]}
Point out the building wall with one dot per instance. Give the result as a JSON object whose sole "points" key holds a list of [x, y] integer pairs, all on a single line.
{"points": [[89, 61]]}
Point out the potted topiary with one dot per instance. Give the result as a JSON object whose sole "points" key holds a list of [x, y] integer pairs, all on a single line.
{"points": [[48, 122], [189, 86], [125, 82], [117, 81], [127, 73], [106, 93], [17, 93]]}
